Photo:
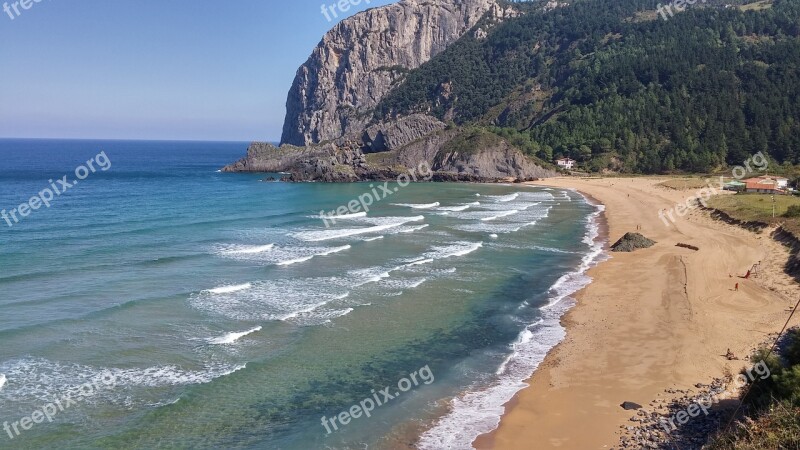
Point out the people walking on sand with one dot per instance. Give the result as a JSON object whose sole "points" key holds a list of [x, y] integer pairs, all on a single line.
{"points": [[737, 287]]}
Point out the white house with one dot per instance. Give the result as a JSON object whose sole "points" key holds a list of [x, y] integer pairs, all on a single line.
{"points": [[566, 163]]}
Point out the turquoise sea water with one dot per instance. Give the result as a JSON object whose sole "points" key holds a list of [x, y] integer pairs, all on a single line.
{"points": [[215, 310]]}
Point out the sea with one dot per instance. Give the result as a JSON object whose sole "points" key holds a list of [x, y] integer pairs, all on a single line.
{"points": [[160, 303]]}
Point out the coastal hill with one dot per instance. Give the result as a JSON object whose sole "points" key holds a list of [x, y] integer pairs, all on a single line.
{"points": [[621, 87]]}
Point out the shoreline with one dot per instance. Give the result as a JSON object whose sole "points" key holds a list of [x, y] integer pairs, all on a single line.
{"points": [[668, 331], [481, 410]]}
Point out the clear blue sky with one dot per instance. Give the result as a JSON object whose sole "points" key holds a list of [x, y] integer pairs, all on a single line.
{"points": [[147, 69]]}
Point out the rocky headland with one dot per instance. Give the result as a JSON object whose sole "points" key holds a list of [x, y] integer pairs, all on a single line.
{"points": [[330, 133]]}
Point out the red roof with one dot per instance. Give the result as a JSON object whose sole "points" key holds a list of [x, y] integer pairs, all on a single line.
{"points": [[769, 185], [764, 178]]}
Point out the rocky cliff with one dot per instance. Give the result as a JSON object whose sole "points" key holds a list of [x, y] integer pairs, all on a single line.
{"points": [[358, 62], [331, 134], [451, 154]]}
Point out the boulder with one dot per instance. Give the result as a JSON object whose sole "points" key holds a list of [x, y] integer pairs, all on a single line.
{"points": [[632, 242]]}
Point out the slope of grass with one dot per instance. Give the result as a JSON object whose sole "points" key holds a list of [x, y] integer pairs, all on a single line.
{"points": [[774, 402], [777, 428], [758, 208]]}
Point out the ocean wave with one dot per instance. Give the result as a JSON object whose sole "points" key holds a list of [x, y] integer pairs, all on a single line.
{"points": [[404, 230], [453, 250], [317, 236], [506, 198], [283, 256], [42, 380], [480, 409], [366, 276], [358, 215], [306, 258], [506, 222], [417, 205], [230, 338], [501, 215], [459, 208], [323, 317], [248, 249], [275, 300], [230, 289]]}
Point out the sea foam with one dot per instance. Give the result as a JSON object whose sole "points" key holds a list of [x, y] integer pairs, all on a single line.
{"points": [[479, 410], [230, 338]]}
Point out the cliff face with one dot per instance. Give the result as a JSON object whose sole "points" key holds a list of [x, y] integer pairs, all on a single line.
{"points": [[358, 61], [329, 134]]}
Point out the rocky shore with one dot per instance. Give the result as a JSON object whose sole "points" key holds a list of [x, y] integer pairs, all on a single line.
{"points": [[384, 152], [648, 428]]}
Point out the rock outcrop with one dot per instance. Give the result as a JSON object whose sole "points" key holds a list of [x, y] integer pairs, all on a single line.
{"points": [[345, 160], [359, 61], [394, 135], [632, 242]]}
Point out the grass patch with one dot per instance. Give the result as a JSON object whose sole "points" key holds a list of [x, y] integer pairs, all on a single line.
{"points": [[471, 141], [758, 208]]}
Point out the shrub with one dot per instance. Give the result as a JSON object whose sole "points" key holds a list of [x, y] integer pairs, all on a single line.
{"points": [[793, 211]]}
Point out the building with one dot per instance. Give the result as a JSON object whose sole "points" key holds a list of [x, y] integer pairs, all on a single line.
{"points": [[566, 163], [766, 185]]}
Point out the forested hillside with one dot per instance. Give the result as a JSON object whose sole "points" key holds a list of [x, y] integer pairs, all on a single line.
{"points": [[614, 85]]}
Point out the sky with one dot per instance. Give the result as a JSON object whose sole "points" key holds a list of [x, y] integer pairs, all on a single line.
{"points": [[154, 69]]}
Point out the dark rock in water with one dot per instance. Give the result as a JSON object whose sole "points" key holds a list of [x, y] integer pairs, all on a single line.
{"points": [[632, 242], [629, 406]]}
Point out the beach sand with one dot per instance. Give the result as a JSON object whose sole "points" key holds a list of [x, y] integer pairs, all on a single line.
{"points": [[658, 318]]}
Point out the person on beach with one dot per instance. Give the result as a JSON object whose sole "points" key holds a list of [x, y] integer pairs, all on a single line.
{"points": [[737, 287]]}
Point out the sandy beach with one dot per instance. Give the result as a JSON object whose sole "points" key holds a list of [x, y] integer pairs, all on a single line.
{"points": [[656, 319]]}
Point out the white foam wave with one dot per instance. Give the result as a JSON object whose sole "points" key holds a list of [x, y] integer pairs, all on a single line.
{"points": [[230, 338], [3, 381], [367, 276], [274, 300], [418, 283], [412, 229], [248, 250], [488, 222], [507, 198], [459, 207], [419, 262], [41, 380], [307, 258], [317, 236], [349, 216], [501, 215], [230, 289], [479, 411], [417, 205], [454, 250], [373, 238], [301, 312]]}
